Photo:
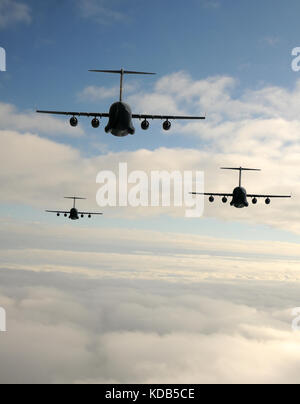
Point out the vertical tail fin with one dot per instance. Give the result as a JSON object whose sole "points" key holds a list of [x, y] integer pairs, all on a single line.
{"points": [[74, 198], [121, 72], [240, 169]]}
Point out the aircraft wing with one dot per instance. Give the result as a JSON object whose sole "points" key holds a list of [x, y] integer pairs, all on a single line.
{"points": [[106, 115], [91, 114], [167, 117], [58, 211], [89, 213], [268, 196], [211, 194]]}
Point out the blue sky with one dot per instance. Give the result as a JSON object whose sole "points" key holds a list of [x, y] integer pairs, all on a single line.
{"points": [[249, 40]]}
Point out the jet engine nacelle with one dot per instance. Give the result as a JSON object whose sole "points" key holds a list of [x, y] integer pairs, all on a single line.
{"points": [[167, 125], [268, 201], [224, 199], [211, 199], [73, 121], [254, 201], [95, 123], [145, 125]]}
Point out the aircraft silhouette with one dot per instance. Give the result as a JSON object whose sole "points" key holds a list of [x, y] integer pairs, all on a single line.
{"points": [[239, 195], [120, 115], [73, 213]]}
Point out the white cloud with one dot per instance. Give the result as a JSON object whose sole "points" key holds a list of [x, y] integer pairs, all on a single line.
{"points": [[12, 12], [77, 330], [93, 93], [143, 255], [42, 167], [45, 171], [12, 119], [219, 97]]}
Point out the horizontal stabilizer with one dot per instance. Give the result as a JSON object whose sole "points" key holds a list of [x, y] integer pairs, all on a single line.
{"points": [[74, 197], [119, 72], [240, 169]]}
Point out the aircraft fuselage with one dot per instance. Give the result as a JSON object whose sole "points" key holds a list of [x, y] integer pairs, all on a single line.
{"points": [[120, 120], [239, 199], [74, 214]]}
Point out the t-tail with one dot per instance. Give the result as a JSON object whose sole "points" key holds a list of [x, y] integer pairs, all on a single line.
{"points": [[240, 169], [74, 198], [121, 72]]}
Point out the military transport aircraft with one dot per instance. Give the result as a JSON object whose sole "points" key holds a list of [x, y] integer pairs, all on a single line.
{"points": [[73, 213], [239, 195], [120, 114]]}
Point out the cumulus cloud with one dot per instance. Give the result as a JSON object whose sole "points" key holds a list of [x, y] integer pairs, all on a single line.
{"points": [[253, 128], [12, 119], [222, 100], [12, 12], [45, 171]]}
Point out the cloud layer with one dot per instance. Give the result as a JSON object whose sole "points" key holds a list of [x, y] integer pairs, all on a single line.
{"points": [[128, 306], [30, 121], [75, 330]]}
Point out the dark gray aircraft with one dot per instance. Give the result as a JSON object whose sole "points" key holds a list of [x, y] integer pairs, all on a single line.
{"points": [[239, 195], [73, 213], [120, 114]]}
